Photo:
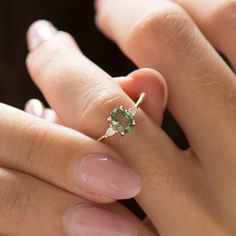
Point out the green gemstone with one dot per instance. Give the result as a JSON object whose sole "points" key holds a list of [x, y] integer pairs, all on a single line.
{"points": [[122, 120]]}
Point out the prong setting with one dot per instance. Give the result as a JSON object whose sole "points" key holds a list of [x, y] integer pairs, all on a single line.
{"points": [[128, 116]]}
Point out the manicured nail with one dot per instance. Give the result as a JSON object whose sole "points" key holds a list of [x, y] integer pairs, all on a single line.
{"points": [[50, 115], [39, 32], [107, 176], [34, 107], [88, 220]]}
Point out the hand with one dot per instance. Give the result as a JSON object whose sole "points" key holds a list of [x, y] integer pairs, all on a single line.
{"points": [[183, 192], [68, 98], [46, 173], [161, 35]]}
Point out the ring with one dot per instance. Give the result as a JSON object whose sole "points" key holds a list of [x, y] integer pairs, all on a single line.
{"points": [[122, 121]]}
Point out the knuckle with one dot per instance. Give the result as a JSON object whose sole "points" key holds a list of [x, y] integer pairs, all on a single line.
{"points": [[163, 26], [104, 102], [16, 196], [109, 102], [34, 148], [40, 146]]}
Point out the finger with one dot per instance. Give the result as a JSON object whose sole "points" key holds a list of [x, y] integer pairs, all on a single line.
{"points": [[159, 34], [83, 96], [134, 84], [101, 222], [64, 157], [36, 108], [216, 19], [32, 207], [51, 116], [153, 84], [150, 225]]}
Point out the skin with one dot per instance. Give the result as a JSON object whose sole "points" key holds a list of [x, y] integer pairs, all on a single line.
{"points": [[36, 176], [183, 192], [160, 35]]}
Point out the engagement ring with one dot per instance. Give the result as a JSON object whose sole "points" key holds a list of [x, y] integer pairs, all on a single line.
{"points": [[122, 121]]}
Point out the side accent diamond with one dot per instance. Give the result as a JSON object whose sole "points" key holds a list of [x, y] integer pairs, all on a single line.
{"points": [[133, 111], [110, 132]]}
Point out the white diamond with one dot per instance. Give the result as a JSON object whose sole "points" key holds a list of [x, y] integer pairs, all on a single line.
{"points": [[110, 132], [133, 111]]}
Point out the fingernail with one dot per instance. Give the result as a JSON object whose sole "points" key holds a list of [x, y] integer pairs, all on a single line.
{"points": [[34, 107], [107, 176], [50, 115], [39, 32], [88, 220]]}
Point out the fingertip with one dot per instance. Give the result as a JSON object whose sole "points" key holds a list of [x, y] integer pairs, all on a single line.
{"points": [[156, 79], [102, 18], [51, 116], [38, 32], [34, 107], [90, 220], [153, 84]]}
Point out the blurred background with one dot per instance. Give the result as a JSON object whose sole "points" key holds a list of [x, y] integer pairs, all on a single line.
{"points": [[74, 16]]}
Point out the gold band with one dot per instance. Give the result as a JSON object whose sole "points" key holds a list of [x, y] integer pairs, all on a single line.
{"points": [[140, 100]]}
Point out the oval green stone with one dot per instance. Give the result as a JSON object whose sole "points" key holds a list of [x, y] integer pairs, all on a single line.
{"points": [[116, 116]]}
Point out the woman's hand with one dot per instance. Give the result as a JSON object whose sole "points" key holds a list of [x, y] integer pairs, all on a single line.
{"points": [[46, 173], [183, 192], [160, 34], [216, 19]]}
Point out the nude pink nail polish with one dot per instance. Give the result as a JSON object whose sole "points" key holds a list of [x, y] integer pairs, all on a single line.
{"points": [[88, 220], [107, 176], [39, 32], [34, 107]]}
